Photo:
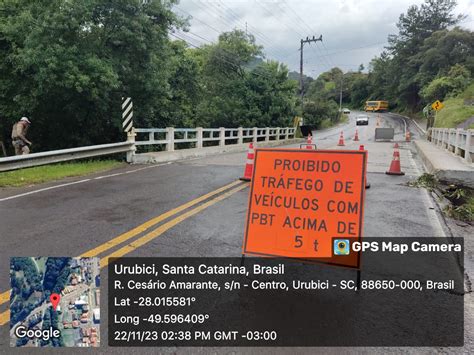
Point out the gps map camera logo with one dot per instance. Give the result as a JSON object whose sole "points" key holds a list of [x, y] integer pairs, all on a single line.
{"points": [[341, 247]]}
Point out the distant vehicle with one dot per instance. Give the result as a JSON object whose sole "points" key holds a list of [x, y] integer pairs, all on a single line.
{"points": [[362, 120], [346, 111], [376, 106]]}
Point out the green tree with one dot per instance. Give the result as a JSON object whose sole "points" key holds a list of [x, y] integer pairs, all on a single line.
{"points": [[454, 83], [400, 72], [240, 90], [67, 63]]}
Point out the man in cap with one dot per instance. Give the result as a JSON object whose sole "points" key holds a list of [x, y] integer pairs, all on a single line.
{"points": [[19, 140]]}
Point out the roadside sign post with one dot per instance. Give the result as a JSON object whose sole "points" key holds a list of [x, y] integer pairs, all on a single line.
{"points": [[307, 205], [437, 105]]}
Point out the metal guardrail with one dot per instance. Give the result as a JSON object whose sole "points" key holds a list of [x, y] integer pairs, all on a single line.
{"points": [[458, 141], [57, 156], [170, 137]]}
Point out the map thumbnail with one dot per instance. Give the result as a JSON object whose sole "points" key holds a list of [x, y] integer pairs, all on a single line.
{"points": [[54, 302]]}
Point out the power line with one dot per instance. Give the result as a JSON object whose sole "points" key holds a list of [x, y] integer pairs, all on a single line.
{"points": [[301, 20], [282, 55], [355, 48], [220, 57], [302, 43], [270, 12], [212, 11]]}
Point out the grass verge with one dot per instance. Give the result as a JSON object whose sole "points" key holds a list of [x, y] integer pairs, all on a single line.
{"points": [[326, 123], [47, 173], [455, 112], [461, 199]]}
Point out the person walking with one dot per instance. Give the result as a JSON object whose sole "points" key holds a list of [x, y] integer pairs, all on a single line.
{"points": [[19, 140]]}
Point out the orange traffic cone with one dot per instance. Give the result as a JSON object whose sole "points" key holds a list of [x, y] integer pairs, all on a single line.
{"points": [[395, 165], [341, 140], [367, 184], [356, 137], [407, 136], [249, 165], [309, 142]]}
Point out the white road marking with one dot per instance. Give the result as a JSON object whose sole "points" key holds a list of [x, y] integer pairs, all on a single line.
{"points": [[413, 163], [44, 189], [436, 220], [80, 182]]}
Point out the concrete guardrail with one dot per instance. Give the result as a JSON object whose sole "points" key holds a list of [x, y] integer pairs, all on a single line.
{"points": [[458, 141], [170, 137]]}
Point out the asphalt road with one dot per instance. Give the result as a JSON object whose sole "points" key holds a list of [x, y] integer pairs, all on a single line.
{"points": [[189, 213]]}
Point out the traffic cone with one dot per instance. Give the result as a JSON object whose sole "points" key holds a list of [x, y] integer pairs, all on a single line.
{"points": [[341, 140], [407, 136], [356, 137], [249, 165], [309, 142], [367, 184], [395, 165]]}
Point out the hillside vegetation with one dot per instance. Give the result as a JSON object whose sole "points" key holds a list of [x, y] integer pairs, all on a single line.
{"points": [[455, 111], [68, 69], [430, 58]]}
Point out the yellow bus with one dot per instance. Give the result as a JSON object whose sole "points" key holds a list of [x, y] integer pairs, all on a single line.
{"points": [[376, 106]]}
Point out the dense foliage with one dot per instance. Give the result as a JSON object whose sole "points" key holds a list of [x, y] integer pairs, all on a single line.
{"points": [[56, 275], [66, 64], [25, 280], [427, 60]]}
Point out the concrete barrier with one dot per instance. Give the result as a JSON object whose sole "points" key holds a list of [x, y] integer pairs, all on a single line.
{"points": [[166, 156], [384, 133], [444, 165]]}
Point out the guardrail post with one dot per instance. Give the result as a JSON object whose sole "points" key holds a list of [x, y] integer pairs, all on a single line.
{"points": [[441, 142], [151, 136], [199, 137], [278, 133], [240, 135], [287, 133], [451, 135], [267, 134], [457, 151], [170, 139], [467, 148], [255, 134], [221, 136], [131, 138]]}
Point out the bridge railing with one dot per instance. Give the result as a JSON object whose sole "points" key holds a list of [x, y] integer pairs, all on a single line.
{"points": [[171, 137], [458, 141]]}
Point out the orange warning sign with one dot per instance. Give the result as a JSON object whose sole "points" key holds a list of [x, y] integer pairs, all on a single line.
{"points": [[306, 204]]}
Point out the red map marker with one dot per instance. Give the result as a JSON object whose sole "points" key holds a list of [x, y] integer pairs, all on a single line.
{"points": [[54, 298]]}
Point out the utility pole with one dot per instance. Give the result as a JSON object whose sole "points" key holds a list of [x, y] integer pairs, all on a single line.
{"points": [[340, 95], [303, 41]]}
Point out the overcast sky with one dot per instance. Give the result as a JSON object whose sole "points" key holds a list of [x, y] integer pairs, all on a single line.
{"points": [[354, 31]]}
